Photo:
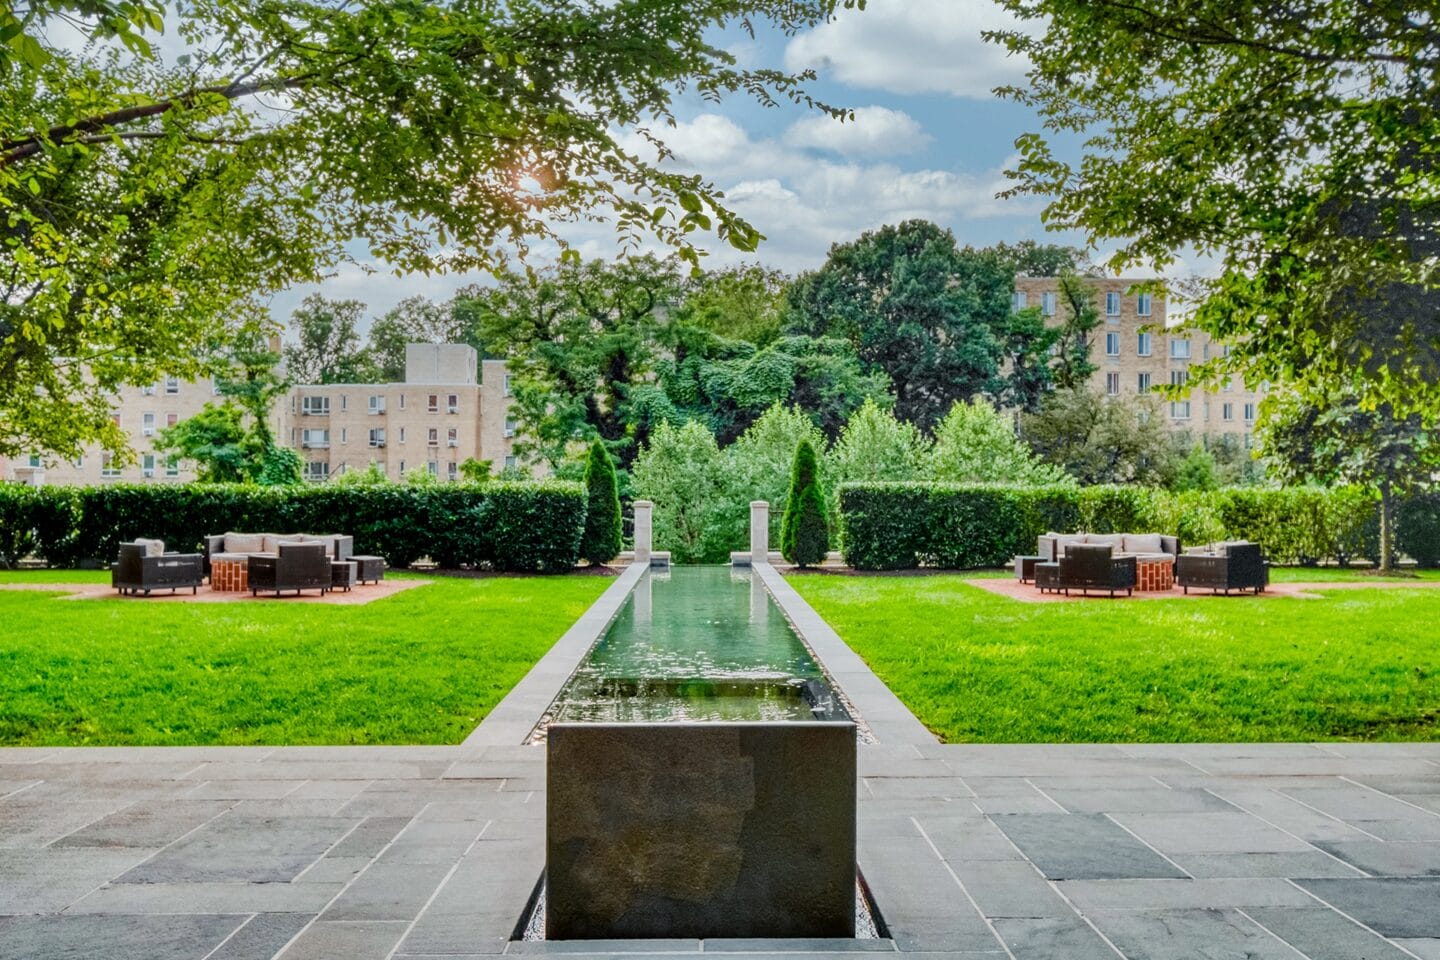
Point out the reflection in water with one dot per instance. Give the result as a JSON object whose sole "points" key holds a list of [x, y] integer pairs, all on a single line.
{"points": [[703, 643]]}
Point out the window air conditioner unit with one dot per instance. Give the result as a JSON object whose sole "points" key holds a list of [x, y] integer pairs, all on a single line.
{"points": [[452, 443]]}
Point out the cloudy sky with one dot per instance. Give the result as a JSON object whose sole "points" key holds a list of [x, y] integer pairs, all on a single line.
{"points": [[929, 140]]}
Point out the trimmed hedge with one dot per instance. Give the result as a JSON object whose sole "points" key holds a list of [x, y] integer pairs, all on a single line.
{"points": [[503, 526], [895, 526]]}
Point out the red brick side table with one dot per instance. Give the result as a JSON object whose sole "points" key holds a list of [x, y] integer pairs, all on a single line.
{"points": [[230, 576], [1154, 575]]}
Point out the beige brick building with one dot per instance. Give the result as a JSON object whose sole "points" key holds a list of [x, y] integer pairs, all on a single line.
{"points": [[451, 407], [1135, 350]]}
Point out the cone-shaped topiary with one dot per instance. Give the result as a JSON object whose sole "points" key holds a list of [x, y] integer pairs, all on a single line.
{"points": [[804, 535], [601, 542]]}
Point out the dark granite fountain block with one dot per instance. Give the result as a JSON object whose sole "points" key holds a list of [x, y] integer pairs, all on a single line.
{"points": [[699, 830]]}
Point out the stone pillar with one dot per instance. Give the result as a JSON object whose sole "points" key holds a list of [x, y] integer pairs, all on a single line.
{"points": [[643, 544], [759, 531]]}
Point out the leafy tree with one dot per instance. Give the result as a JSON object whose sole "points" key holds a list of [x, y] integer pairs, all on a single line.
{"points": [[414, 320], [1030, 258], [681, 470], [1098, 439], [327, 343], [1072, 367], [804, 532], [741, 303], [216, 439], [578, 339], [1341, 441], [371, 476], [757, 465], [178, 195], [876, 446], [1027, 342], [974, 444], [915, 307], [1197, 472], [477, 471], [1292, 142], [600, 543]]}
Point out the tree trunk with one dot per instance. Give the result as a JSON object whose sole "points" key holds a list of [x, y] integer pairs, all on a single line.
{"points": [[1385, 527]]}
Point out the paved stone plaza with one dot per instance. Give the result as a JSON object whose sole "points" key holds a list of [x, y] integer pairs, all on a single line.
{"points": [[1045, 852]]}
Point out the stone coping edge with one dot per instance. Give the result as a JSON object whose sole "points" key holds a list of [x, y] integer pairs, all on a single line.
{"points": [[880, 710], [515, 716]]}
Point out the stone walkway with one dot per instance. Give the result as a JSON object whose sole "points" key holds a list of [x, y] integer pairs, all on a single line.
{"points": [[1045, 852]]}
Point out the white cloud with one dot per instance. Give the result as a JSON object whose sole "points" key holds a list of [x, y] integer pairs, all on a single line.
{"points": [[912, 46], [874, 132]]}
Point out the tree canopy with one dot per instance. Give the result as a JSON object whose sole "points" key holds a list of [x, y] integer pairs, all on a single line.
{"points": [[1292, 142], [151, 202]]}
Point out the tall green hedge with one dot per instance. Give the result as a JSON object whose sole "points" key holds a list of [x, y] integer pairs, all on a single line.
{"points": [[504, 526], [894, 526]]}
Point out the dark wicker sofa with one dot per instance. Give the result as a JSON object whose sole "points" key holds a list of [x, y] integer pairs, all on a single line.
{"points": [[1228, 566], [144, 565], [294, 566], [1087, 567]]}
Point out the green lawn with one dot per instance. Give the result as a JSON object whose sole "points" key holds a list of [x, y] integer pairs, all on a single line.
{"points": [[1355, 665], [422, 666]]}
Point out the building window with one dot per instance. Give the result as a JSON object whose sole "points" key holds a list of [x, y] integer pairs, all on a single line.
{"points": [[432, 437], [377, 436], [1142, 304], [1178, 378], [509, 463], [1180, 410], [402, 468], [317, 470], [1142, 382], [1112, 344], [452, 403], [452, 470], [107, 466], [172, 385], [1142, 344], [432, 403], [507, 384], [148, 390], [510, 425], [172, 466], [34, 459], [433, 466], [215, 386], [377, 404], [1017, 303], [1112, 304], [402, 401], [115, 417], [147, 466], [315, 406], [1227, 412], [344, 402], [1249, 413], [171, 419], [402, 434], [344, 434], [1179, 349], [1112, 384], [1047, 304], [452, 437], [315, 438], [147, 424]]}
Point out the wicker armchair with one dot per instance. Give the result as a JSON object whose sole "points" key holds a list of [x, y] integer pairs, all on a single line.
{"points": [[144, 566], [1232, 566], [1087, 567], [295, 566]]}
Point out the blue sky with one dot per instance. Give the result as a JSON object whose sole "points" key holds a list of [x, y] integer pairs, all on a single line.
{"points": [[929, 140]]}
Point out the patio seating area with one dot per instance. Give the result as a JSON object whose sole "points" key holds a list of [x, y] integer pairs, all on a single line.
{"points": [[237, 563], [1150, 563]]}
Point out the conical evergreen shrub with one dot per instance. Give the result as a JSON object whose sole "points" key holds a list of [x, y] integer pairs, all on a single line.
{"points": [[804, 534], [601, 542]]}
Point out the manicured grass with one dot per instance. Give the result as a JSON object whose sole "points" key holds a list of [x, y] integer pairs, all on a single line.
{"points": [[1343, 575], [422, 666], [1354, 665], [54, 576]]}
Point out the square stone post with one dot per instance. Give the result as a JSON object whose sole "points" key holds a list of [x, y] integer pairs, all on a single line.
{"points": [[643, 544], [759, 531]]}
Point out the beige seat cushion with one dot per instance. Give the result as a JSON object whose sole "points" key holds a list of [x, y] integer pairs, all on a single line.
{"points": [[1116, 541], [1064, 540], [153, 548], [244, 542], [1143, 543]]}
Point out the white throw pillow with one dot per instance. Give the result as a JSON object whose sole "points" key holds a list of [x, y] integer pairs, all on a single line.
{"points": [[1143, 543]]}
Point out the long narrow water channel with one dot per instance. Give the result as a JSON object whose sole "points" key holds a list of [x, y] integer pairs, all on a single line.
{"points": [[698, 643]]}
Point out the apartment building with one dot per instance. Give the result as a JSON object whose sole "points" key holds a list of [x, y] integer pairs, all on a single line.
{"points": [[449, 408], [1135, 351]]}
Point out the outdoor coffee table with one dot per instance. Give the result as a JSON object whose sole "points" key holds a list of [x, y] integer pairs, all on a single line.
{"points": [[1025, 568], [230, 575], [342, 574], [369, 569], [1154, 574]]}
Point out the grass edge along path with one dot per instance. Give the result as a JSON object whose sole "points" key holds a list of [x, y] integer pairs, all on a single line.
{"points": [[975, 667], [422, 666]]}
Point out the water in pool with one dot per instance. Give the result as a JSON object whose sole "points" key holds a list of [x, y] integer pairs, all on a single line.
{"points": [[697, 643]]}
